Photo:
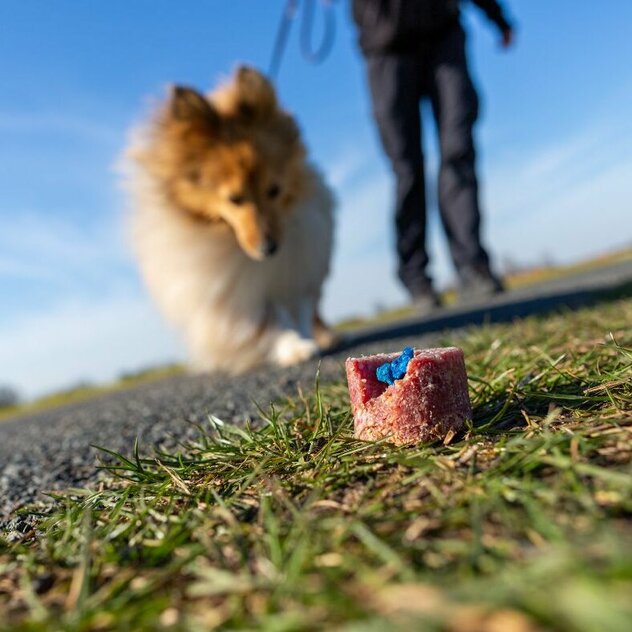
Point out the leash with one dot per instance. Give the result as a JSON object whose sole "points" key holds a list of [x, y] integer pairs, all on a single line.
{"points": [[312, 54]]}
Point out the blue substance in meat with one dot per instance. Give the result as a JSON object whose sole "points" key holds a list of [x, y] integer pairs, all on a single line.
{"points": [[396, 369]]}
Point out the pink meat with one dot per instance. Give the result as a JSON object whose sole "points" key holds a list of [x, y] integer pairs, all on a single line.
{"points": [[428, 402]]}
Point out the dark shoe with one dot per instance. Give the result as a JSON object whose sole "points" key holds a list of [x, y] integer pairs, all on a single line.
{"points": [[425, 303], [478, 284]]}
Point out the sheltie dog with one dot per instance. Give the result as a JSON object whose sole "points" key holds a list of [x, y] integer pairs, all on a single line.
{"points": [[232, 226]]}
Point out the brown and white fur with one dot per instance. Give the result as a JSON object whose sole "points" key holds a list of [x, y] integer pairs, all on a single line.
{"points": [[232, 227]]}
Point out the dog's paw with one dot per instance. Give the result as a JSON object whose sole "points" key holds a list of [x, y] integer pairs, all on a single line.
{"points": [[291, 348]]}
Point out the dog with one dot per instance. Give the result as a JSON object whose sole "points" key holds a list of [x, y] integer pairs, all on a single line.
{"points": [[231, 225]]}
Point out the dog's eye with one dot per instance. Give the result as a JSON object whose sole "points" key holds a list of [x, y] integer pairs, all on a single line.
{"points": [[194, 176], [236, 198], [274, 191]]}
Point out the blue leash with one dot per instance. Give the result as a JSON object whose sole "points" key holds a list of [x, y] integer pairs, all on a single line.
{"points": [[314, 55]]}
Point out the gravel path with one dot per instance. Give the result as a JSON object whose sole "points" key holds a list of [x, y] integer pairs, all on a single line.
{"points": [[52, 449]]}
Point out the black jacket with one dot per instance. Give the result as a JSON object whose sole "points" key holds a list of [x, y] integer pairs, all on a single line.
{"points": [[385, 25]]}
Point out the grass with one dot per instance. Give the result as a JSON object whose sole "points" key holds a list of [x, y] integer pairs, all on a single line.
{"points": [[523, 523]]}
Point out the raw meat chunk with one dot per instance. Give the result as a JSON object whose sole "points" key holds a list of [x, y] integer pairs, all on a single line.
{"points": [[429, 401]]}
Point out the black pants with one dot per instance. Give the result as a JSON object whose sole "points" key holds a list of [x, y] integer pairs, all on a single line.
{"points": [[398, 81]]}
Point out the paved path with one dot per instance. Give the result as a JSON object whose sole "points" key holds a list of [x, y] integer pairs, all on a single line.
{"points": [[52, 449]]}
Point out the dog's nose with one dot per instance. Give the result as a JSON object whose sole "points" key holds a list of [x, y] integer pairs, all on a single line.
{"points": [[269, 247]]}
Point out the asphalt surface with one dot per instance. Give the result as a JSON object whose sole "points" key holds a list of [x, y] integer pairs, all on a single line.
{"points": [[51, 450]]}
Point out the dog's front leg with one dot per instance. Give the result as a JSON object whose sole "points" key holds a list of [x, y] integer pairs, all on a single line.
{"points": [[294, 342], [306, 309], [312, 326]]}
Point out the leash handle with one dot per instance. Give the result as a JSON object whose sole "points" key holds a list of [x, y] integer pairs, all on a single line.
{"points": [[314, 55]]}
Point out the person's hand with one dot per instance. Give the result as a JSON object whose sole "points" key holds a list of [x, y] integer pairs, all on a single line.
{"points": [[507, 39]]}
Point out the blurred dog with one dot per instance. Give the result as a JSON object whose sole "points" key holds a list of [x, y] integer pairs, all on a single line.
{"points": [[232, 227]]}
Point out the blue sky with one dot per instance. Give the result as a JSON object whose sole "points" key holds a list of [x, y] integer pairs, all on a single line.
{"points": [[555, 143]]}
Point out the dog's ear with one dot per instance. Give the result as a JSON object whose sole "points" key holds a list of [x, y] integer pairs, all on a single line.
{"points": [[186, 105], [255, 96]]}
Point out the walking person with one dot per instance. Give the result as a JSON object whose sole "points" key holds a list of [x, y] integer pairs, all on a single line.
{"points": [[416, 49]]}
